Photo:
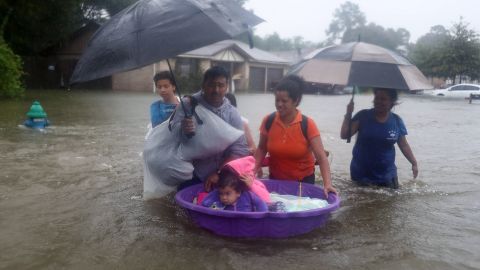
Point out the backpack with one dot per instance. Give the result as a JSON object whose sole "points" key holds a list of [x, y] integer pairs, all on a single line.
{"points": [[303, 124]]}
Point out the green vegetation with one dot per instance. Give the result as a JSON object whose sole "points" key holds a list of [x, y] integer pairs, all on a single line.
{"points": [[10, 73], [349, 24], [453, 53], [37, 25], [10, 69]]}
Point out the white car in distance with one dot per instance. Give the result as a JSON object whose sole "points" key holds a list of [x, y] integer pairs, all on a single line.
{"points": [[459, 90]]}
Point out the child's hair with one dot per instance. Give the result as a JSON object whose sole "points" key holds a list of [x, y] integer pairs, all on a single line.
{"points": [[227, 178], [164, 75], [231, 97]]}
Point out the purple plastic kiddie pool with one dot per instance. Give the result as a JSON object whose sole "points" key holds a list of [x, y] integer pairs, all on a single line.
{"points": [[260, 224]]}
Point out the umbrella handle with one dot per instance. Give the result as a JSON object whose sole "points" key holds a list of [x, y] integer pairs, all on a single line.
{"points": [[350, 119], [185, 111], [190, 134]]}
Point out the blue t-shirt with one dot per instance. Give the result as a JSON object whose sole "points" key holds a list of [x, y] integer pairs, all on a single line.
{"points": [[160, 111], [373, 159]]}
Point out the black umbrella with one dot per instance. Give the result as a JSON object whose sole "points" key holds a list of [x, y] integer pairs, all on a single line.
{"points": [[151, 30], [361, 64]]}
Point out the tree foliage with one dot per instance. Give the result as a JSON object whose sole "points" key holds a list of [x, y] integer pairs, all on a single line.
{"points": [[448, 53], [373, 33], [273, 42], [347, 17], [10, 72], [463, 52], [10, 69], [36, 25], [349, 24]]}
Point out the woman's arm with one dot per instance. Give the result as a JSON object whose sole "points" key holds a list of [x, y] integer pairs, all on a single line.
{"points": [[260, 154], [407, 152], [319, 152], [354, 127]]}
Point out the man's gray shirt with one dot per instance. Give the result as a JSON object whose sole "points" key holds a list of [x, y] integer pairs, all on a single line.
{"points": [[206, 166]]}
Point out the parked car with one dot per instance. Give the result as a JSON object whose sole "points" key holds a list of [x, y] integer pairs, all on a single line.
{"points": [[459, 90]]}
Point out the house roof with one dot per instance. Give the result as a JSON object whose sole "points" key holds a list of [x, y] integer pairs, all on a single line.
{"points": [[295, 56], [233, 50], [75, 43]]}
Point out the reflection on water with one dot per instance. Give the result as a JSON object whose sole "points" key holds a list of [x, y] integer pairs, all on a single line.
{"points": [[70, 197]]}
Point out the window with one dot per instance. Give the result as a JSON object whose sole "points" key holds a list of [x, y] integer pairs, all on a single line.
{"points": [[186, 66], [457, 88], [472, 88]]}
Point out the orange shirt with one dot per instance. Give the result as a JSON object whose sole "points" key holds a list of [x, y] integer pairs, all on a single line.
{"points": [[291, 157]]}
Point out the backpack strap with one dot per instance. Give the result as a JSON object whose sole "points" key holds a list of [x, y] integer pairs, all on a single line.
{"points": [[269, 122], [303, 124]]}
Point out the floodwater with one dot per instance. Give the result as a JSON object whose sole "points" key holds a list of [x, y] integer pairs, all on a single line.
{"points": [[71, 196]]}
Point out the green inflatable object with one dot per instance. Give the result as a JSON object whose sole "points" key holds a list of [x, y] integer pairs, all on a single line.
{"points": [[36, 111]]}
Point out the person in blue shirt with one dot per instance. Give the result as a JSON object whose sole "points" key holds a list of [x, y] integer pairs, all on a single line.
{"points": [[162, 109], [373, 161]]}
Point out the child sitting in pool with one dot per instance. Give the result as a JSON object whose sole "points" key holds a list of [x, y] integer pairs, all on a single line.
{"points": [[237, 189]]}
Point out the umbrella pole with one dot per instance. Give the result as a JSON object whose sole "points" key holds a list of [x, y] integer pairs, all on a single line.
{"points": [[177, 88], [350, 120]]}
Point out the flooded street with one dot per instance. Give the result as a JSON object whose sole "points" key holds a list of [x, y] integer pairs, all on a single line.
{"points": [[71, 197]]}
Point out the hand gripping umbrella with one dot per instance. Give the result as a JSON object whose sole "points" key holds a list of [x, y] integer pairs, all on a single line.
{"points": [[361, 64], [152, 30]]}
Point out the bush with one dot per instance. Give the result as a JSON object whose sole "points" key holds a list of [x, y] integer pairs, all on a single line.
{"points": [[10, 73]]}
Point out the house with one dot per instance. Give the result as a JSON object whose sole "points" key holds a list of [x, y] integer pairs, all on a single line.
{"points": [[54, 67], [251, 69]]}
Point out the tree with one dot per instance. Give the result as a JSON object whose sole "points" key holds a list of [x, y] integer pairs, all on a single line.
{"points": [[372, 33], [274, 42], [10, 69], [453, 53], [37, 25], [427, 53], [350, 24], [463, 52], [347, 17]]}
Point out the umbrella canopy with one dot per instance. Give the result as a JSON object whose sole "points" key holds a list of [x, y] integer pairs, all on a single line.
{"points": [[361, 64], [151, 30]]}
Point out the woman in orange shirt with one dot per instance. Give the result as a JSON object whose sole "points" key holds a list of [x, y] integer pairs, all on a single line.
{"points": [[292, 139]]}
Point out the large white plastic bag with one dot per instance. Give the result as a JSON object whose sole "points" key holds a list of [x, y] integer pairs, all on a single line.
{"points": [[211, 138], [164, 169]]}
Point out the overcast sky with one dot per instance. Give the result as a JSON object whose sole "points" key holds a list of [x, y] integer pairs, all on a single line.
{"points": [[310, 18]]}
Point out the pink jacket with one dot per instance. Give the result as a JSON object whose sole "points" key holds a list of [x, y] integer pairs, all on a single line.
{"points": [[245, 166]]}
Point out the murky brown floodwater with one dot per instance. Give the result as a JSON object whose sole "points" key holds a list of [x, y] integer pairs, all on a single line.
{"points": [[70, 197]]}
